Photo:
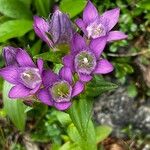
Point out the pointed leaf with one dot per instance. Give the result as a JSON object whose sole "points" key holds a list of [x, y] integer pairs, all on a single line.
{"points": [[75, 5], [15, 9], [14, 28], [15, 109], [98, 86], [102, 132]]}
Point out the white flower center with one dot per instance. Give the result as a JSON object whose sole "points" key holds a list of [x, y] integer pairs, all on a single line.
{"points": [[85, 62], [95, 30], [31, 77]]}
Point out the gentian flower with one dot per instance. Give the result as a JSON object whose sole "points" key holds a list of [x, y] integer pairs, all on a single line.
{"points": [[94, 25], [9, 55], [59, 89], [85, 60], [58, 30], [26, 76]]}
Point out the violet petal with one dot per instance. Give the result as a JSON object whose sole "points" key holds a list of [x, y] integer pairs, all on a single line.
{"points": [[80, 23], [49, 77], [62, 106], [90, 13], [112, 16], [85, 78], [44, 96], [68, 61], [19, 91], [78, 43], [66, 74], [41, 28], [40, 65], [10, 74], [77, 89], [103, 67], [97, 45], [116, 35], [23, 59]]}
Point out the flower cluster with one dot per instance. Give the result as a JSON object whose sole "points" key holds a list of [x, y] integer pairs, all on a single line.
{"points": [[84, 58]]}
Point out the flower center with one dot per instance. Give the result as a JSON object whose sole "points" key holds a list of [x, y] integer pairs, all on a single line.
{"points": [[95, 30], [31, 77], [61, 91], [85, 62]]}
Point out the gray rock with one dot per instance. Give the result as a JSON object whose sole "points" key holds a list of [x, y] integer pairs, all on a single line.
{"points": [[142, 118], [118, 110]]}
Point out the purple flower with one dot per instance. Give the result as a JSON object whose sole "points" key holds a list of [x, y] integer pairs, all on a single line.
{"points": [[26, 76], [9, 54], [94, 25], [85, 60], [59, 89], [58, 30]]}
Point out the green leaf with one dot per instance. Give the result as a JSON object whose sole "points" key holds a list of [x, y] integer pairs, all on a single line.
{"points": [[132, 90], [72, 7], [14, 28], [97, 86], [26, 2], [69, 146], [62, 117], [73, 133], [122, 69], [80, 114], [54, 57], [15, 9], [102, 132], [15, 109], [145, 4]]}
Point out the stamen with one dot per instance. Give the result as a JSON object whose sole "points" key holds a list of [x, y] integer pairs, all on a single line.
{"points": [[85, 60], [26, 74]]}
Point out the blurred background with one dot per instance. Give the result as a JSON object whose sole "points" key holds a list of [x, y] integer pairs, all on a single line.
{"points": [[126, 110]]}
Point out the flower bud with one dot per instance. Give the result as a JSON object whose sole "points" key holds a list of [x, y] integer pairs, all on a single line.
{"points": [[56, 30], [9, 55], [61, 29]]}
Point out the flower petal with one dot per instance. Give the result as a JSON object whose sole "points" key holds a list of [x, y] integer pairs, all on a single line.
{"points": [[10, 74], [78, 43], [19, 91], [23, 59], [103, 67], [80, 23], [90, 13], [49, 77], [62, 106], [41, 28], [66, 74], [78, 88], [116, 35], [68, 61], [44, 96], [112, 16], [40, 65], [85, 78], [97, 45], [36, 89]]}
